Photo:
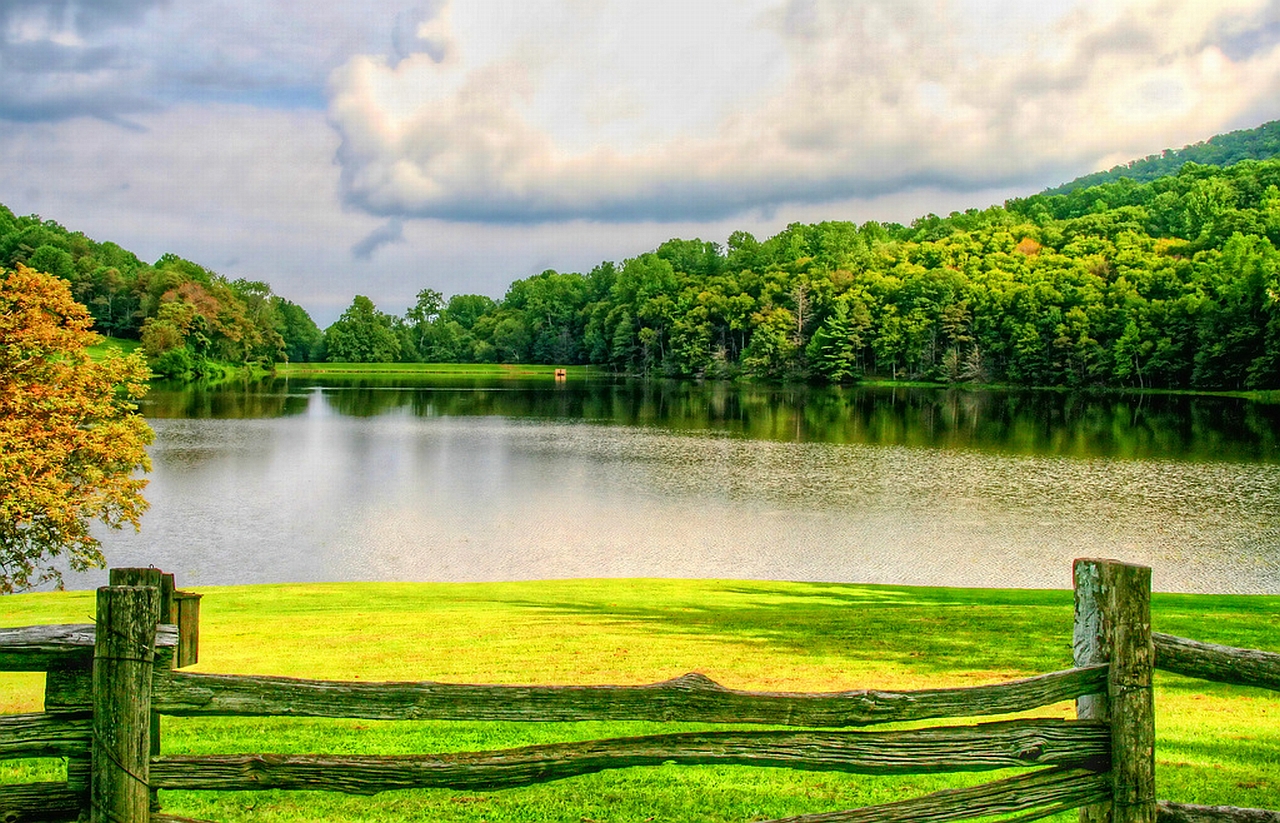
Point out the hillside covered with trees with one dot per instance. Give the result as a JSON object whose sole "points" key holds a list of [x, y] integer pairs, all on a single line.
{"points": [[188, 318], [1261, 143], [1169, 284], [1172, 283]]}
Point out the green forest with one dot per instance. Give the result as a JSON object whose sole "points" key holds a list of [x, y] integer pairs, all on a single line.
{"points": [[1170, 283]]}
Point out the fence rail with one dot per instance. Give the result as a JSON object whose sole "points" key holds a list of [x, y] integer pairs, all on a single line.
{"points": [[1223, 664], [692, 698], [941, 749], [106, 684]]}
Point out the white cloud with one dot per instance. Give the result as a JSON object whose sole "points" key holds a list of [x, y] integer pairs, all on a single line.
{"points": [[617, 111], [245, 192], [200, 128]]}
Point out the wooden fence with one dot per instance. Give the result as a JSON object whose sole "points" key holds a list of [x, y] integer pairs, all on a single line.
{"points": [[106, 686]]}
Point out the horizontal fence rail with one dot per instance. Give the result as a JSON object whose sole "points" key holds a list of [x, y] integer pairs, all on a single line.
{"points": [[1040, 794], [65, 648], [941, 749], [1223, 664], [691, 698], [45, 735], [1167, 812], [40, 801], [41, 648]]}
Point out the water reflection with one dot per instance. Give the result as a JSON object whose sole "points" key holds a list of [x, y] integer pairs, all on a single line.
{"points": [[306, 481], [1180, 427]]}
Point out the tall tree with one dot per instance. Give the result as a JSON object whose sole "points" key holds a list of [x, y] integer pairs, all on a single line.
{"points": [[362, 335], [70, 440]]}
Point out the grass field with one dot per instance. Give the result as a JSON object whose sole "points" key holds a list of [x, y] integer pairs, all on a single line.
{"points": [[113, 344], [1216, 744], [520, 370]]}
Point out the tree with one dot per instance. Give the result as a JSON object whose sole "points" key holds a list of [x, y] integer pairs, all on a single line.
{"points": [[419, 325], [301, 335], [70, 441], [362, 335]]}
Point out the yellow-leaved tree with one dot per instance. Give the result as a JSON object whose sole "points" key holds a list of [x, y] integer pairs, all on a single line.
{"points": [[72, 446]]}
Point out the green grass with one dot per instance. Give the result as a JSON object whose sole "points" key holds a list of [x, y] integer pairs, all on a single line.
{"points": [[520, 370], [113, 344], [1216, 744]]}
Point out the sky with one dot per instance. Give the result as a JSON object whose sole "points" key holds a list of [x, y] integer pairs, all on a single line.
{"points": [[382, 147]]}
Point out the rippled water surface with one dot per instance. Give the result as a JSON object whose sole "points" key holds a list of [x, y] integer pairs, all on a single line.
{"points": [[307, 482]]}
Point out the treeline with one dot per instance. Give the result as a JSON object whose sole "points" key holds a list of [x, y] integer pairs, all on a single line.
{"points": [[1174, 283], [1169, 284], [1261, 143], [191, 321]]}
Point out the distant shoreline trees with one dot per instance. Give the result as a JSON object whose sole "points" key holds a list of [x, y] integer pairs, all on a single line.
{"points": [[1171, 283], [191, 321]]}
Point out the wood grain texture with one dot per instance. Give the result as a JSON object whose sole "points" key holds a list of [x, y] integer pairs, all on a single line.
{"points": [[124, 652], [1224, 664], [1113, 625], [45, 735], [71, 689], [48, 802], [939, 749], [691, 698], [41, 648], [1167, 812], [1129, 690], [1031, 796]]}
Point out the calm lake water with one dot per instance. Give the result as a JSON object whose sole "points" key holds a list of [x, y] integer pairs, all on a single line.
{"points": [[283, 481]]}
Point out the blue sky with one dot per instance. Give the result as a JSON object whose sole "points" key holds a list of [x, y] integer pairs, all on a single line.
{"points": [[379, 147]]}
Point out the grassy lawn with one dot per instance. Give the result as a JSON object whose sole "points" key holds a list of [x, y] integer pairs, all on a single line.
{"points": [[521, 370], [1216, 744], [113, 343]]}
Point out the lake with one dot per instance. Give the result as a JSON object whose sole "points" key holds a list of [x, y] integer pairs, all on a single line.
{"points": [[468, 480]]}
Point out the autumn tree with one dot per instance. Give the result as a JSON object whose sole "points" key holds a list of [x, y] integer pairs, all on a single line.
{"points": [[71, 443]]}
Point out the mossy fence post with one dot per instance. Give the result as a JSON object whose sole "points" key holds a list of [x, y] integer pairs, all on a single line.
{"points": [[1113, 625], [123, 655]]}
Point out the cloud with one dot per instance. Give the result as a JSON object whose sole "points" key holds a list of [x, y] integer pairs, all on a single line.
{"points": [[114, 58], [609, 110], [390, 232], [245, 192], [56, 66], [423, 30]]}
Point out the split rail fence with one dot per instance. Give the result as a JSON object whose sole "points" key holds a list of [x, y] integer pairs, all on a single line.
{"points": [[107, 685]]}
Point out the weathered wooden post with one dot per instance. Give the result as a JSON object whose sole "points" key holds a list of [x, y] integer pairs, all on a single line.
{"points": [[164, 582], [1113, 625], [186, 607], [149, 576], [123, 653]]}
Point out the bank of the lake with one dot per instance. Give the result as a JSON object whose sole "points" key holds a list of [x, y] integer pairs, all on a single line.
{"points": [[1216, 744], [526, 371], [498, 371]]}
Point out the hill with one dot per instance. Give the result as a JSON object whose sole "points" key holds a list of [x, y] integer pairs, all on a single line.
{"points": [[1261, 143], [1172, 283]]}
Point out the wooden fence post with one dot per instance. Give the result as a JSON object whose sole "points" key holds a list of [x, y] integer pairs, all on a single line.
{"points": [[1113, 625], [123, 652], [186, 607], [151, 576]]}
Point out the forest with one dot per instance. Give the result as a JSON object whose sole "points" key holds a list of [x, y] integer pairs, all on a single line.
{"points": [[1170, 283], [191, 321], [1259, 143]]}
